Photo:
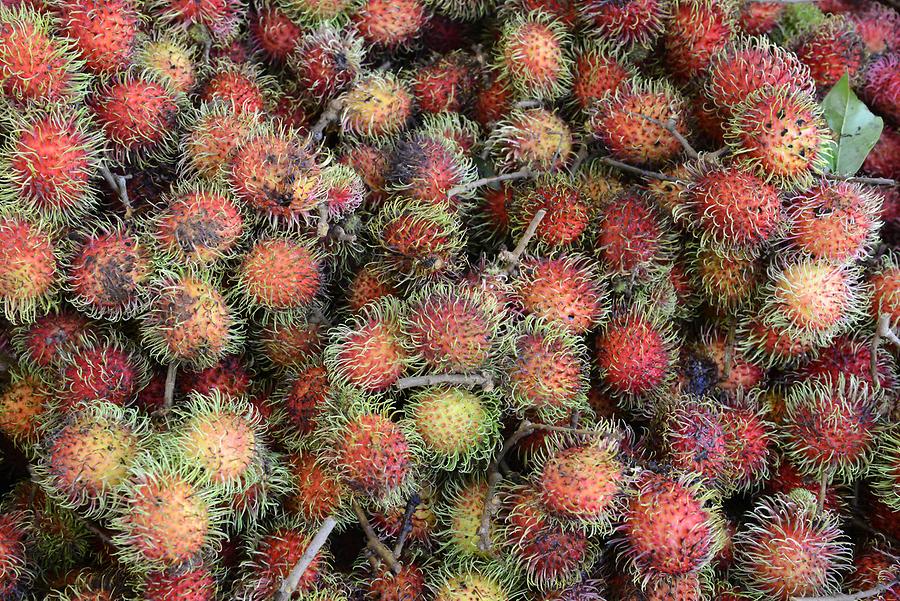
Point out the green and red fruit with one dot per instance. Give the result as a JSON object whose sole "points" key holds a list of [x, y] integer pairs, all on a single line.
{"points": [[533, 55]]}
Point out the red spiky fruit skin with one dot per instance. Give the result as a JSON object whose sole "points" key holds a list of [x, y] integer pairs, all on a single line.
{"points": [[110, 272], [568, 213], [32, 68], [275, 555], [407, 585], [28, 265], [750, 441], [633, 354], [492, 102], [426, 169], [199, 226], [873, 567], [886, 293], [849, 357], [389, 23], [229, 376], [52, 163], [275, 33], [595, 76], [636, 22], [550, 555], [321, 64], [235, 88], [667, 529], [137, 115], [786, 478], [373, 356], [744, 373], [421, 525], [696, 441], [291, 345], [104, 32], [687, 587], [879, 28], [23, 406], [532, 55], [318, 493], [213, 142], [100, 372], [882, 86], [44, 341], [495, 207], [757, 18], [453, 333], [305, 399], [197, 584], [547, 373], [373, 455], [829, 51], [632, 235], [734, 209], [884, 159], [371, 164], [280, 274], [445, 85], [368, 285], [582, 482], [833, 221], [221, 17], [13, 558], [561, 290], [695, 31]]}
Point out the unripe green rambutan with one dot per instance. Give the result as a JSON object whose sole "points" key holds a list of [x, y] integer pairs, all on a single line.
{"points": [[831, 426], [29, 268], [460, 519], [834, 221], [535, 139], [289, 343], [418, 240], [565, 290], [811, 301], [15, 574], [36, 67], [444, 85], [600, 68], [369, 352], [240, 87], [169, 60], [47, 164], [375, 456], [830, 49], [102, 369], [390, 24], [453, 328], [316, 492], [618, 123], [220, 18], [885, 284], [376, 106], [326, 61], [747, 64], [546, 368], [277, 174], [139, 117], [472, 584], [632, 236], [189, 321], [549, 555], [885, 470], [671, 527], [193, 583], [533, 55], [631, 23], [273, 553], [459, 428], [779, 133], [568, 212], [725, 280], [214, 134], [790, 548], [104, 32], [300, 404], [695, 31], [426, 167], [274, 32], [44, 343], [162, 520], [86, 454], [24, 405], [279, 273], [109, 273]]}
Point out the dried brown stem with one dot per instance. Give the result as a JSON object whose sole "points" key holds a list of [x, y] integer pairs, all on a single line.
{"points": [[512, 258], [374, 543], [637, 170], [322, 227], [331, 114], [868, 594], [872, 181], [484, 380], [118, 184], [669, 126], [886, 331], [406, 525], [527, 104], [98, 532], [169, 391], [341, 235], [289, 584], [729, 352], [524, 173]]}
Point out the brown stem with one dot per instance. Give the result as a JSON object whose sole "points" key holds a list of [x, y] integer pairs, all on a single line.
{"points": [[99, 533], [484, 380], [868, 594], [637, 170], [527, 104], [289, 584], [331, 114], [169, 393], [729, 352], [569, 430], [322, 227], [512, 258], [374, 543], [341, 235], [524, 173], [669, 126], [885, 331], [118, 184], [575, 418], [406, 525], [872, 181], [823, 488]]}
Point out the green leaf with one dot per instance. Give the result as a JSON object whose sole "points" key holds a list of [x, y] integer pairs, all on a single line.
{"points": [[856, 129]]}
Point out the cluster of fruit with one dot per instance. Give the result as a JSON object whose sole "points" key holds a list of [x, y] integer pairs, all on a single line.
{"points": [[452, 300]]}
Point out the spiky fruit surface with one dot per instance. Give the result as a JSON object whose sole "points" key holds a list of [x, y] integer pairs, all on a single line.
{"points": [[695, 31], [14, 574], [29, 268], [303, 400], [632, 236], [550, 555], [409, 584], [882, 87], [375, 106], [695, 440], [280, 274], [213, 138], [459, 429], [170, 61], [564, 290], [104, 32], [830, 50], [277, 174], [849, 356], [726, 280], [769, 345], [192, 584], [568, 213], [103, 370], [779, 133], [25, 403], [873, 566], [45, 342], [790, 548], [189, 321], [138, 116], [750, 440], [886, 467], [238, 87], [220, 17], [598, 69], [619, 122], [444, 85], [886, 290], [533, 54], [317, 492], [390, 24], [470, 585], [460, 518], [882, 160], [631, 23], [88, 452], [273, 555], [275, 32], [326, 61], [536, 139], [426, 167], [453, 328], [370, 352]]}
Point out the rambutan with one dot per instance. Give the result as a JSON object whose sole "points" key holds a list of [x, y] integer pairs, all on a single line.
{"points": [[631, 23], [275, 32], [29, 268], [879, 28], [493, 100], [885, 469], [460, 518], [830, 49], [884, 158], [695, 31], [241, 87], [599, 68], [619, 121], [422, 522], [170, 61], [24, 405], [316, 492], [14, 571], [188, 584], [286, 344], [376, 106], [850, 356], [326, 61], [300, 403], [873, 566], [768, 345], [279, 273], [444, 85], [214, 134], [534, 139], [390, 24], [104, 33], [471, 584], [885, 284], [881, 87], [568, 213], [406, 585], [694, 439], [632, 237], [750, 439], [220, 18], [726, 281], [533, 55], [230, 377], [102, 369], [427, 167], [779, 133], [44, 343], [790, 548], [760, 17], [564, 290]]}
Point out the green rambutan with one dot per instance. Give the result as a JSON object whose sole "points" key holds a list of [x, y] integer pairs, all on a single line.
{"points": [[790, 548], [279, 273], [533, 55], [472, 584], [101, 369], [599, 68], [390, 24], [24, 405], [170, 60], [104, 33], [630, 23], [376, 106], [695, 31], [30, 271], [568, 212], [830, 49], [47, 164], [460, 518], [534, 138]]}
